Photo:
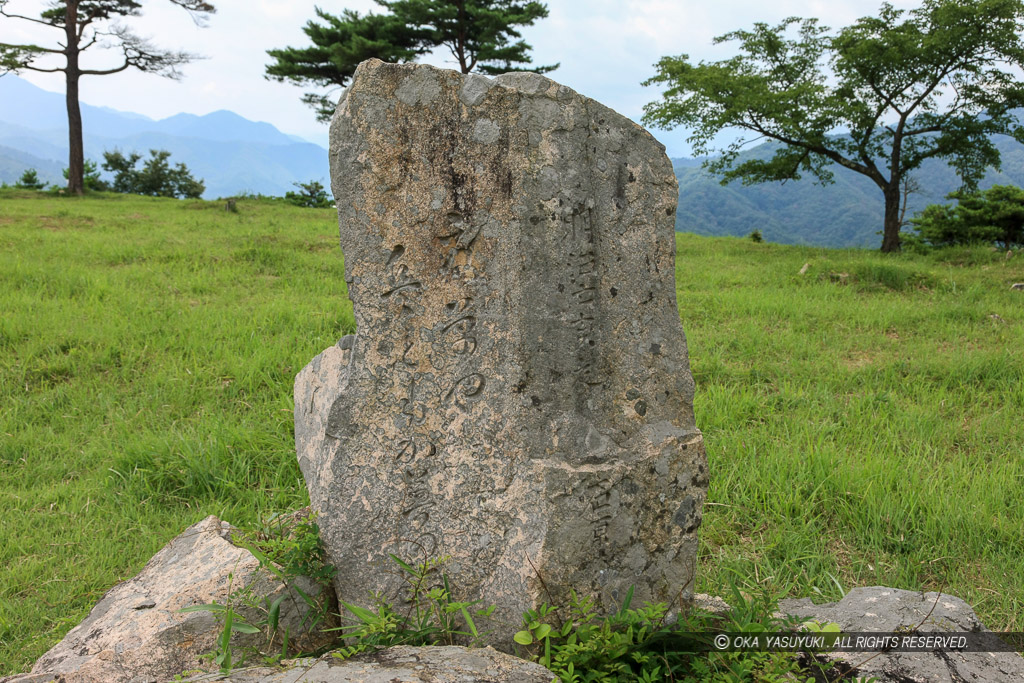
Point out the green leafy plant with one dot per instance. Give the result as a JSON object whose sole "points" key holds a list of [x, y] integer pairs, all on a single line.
{"points": [[831, 630], [293, 543], [756, 237], [287, 547], [232, 623], [432, 615], [640, 644]]}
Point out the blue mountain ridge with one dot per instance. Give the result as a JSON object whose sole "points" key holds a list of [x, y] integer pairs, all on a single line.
{"points": [[230, 153], [235, 155]]}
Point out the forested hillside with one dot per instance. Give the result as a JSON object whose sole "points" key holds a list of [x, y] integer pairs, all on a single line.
{"points": [[845, 214]]}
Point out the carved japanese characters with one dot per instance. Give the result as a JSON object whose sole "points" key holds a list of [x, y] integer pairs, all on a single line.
{"points": [[517, 395]]}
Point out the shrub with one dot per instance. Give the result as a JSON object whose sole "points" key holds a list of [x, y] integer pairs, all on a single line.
{"points": [[91, 177], [756, 237], [993, 216], [30, 181], [313, 196], [155, 179]]}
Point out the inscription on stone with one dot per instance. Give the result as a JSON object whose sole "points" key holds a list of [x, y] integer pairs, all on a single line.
{"points": [[517, 396], [582, 267]]}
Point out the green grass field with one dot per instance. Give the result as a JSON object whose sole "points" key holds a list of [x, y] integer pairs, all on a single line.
{"points": [[860, 432]]}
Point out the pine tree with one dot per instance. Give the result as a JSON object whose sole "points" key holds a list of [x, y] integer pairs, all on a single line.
{"points": [[85, 24], [480, 34]]}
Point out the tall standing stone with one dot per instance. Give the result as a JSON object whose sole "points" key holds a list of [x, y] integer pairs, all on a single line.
{"points": [[517, 396]]}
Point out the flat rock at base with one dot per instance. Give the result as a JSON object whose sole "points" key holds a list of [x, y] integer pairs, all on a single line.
{"points": [[400, 665], [137, 632], [517, 396], [889, 609]]}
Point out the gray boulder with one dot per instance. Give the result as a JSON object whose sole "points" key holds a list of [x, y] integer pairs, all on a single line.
{"points": [[889, 610], [399, 665], [517, 397], [138, 633]]}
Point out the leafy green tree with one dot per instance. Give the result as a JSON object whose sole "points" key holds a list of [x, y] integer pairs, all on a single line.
{"points": [[85, 24], [30, 180], [313, 196], [480, 34], [156, 178], [993, 216], [878, 97]]}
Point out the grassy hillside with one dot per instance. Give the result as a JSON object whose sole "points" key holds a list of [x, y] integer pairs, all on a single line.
{"points": [[861, 430]]}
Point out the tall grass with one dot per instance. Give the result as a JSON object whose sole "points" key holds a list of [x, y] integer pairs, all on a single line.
{"points": [[147, 353], [860, 430]]}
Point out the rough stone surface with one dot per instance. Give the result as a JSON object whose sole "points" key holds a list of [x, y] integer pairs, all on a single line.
{"points": [[518, 395], [890, 609], [400, 665], [137, 633], [711, 604]]}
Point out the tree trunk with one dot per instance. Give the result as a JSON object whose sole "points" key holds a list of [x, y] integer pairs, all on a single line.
{"points": [[460, 40], [76, 155], [891, 226]]}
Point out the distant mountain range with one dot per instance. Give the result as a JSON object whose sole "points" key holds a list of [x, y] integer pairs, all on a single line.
{"points": [[234, 155], [230, 153]]}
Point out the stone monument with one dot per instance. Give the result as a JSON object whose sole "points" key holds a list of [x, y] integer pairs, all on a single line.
{"points": [[517, 396]]}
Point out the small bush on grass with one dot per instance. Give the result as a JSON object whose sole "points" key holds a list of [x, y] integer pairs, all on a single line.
{"points": [[156, 178], [995, 216], [30, 181], [312, 196], [91, 177]]}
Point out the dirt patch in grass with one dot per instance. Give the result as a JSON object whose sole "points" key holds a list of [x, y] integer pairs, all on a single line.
{"points": [[855, 360]]}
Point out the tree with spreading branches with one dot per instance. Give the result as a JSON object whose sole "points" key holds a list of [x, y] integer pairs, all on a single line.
{"points": [[878, 97], [86, 24], [480, 34]]}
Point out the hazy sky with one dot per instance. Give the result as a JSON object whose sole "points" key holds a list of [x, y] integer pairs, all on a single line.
{"points": [[605, 47]]}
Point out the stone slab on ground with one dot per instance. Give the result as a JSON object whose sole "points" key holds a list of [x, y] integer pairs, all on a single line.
{"points": [[400, 665], [890, 609], [517, 396], [137, 632]]}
